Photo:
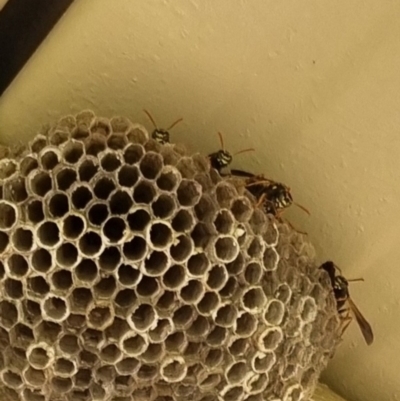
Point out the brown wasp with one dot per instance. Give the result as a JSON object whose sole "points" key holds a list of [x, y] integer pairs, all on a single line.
{"points": [[273, 196], [159, 134], [222, 158], [345, 305]]}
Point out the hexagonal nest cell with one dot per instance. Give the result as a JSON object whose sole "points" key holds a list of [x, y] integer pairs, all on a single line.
{"points": [[130, 270]]}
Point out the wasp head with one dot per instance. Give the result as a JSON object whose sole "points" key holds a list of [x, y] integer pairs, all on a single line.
{"points": [[280, 196], [160, 135], [220, 159]]}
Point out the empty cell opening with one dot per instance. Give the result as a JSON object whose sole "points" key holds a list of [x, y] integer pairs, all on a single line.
{"points": [[134, 345], [175, 342], [8, 314], [164, 206], [214, 358], [80, 299], [110, 353], [208, 304], [284, 293], [22, 240], [110, 259], [62, 280], [67, 255], [117, 141], [198, 264], [147, 372], [256, 248], [246, 325], [105, 374], [87, 358], [75, 322], [161, 331], [86, 271], [151, 165], [13, 288], [217, 337], [201, 235], [105, 288], [126, 298], [98, 214], [234, 394], [17, 266], [239, 347], [32, 312], [236, 373], [144, 192], [253, 273], [153, 353], [81, 196], [160, 235], [35, 211], [90, 243], [116, 330], [174, 278], [156, 264], [173, 371], [31, 395], [34, 378], [65, 178], [270, 259], [242, 209], [15, 190], [188, 193], [225, 193], [224, 222], [128, 276], [226, 316], [55, 308], [95, 144], [210, 381], [60, 136], [38, 357], [8, 216], [61, 385], [166, 301], [138, 220], [120, 203], [181, 248], [199, 328], [58, 205], [99, 317], [254, 299], [217, 277], [87, 170], [143, 317], [148, 287], [42, 260], [38, 285], [205, 208], [128, 176], [135, 249], [21, 336], [271, 338], [4, 241], [82, 379], [168, 180], [229, 288], [133, 153], [100, 126], [110, 162], [48, 331], [183, 316], [309, 310], [48, 234], [183, 221], [73, 226], [114, 229], [226, 249], [72, 152], [41, 183], [258, 383], [192, 292], [27, 165], [274, 313], [92, 339], [103, 188], [263, 361], [127, 366]]}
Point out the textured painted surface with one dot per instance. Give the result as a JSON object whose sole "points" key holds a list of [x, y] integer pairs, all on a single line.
{"points": [[312, 85]]}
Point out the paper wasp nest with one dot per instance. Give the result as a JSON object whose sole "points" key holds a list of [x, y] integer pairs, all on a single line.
{"points": [[131, 271]]}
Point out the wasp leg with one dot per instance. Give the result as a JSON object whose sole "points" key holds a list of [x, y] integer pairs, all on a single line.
{"points": [[292, 226], [345, 321]]}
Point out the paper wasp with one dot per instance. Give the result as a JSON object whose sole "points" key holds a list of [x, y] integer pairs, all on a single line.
{"points": [[222, 158], [159, 134], [274, 196], [345, 305]]}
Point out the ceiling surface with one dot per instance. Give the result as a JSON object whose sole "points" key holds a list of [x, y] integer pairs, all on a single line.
{"points": [[313, 85]]}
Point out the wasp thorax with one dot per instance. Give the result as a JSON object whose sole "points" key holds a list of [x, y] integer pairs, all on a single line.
{"points": [[221, 159], [161, 136]]}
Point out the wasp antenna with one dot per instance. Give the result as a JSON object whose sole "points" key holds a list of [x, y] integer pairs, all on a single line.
{"points": [[150, 117], [173, 124], [243, 151], [302, 208], [355, 279], [221, 141]]}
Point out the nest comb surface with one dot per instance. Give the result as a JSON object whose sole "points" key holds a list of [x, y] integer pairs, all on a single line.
{"points": [[131, 271]]}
